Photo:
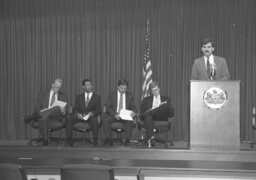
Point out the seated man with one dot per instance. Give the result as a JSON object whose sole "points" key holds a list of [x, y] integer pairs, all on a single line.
{"points": [[155, 107], [46, 109], [86, 104], [117, 100]]}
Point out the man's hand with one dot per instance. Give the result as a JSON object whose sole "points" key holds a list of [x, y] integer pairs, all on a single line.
{"points": [[79, 116], [63, 110], [117, 116], [133, 114]]}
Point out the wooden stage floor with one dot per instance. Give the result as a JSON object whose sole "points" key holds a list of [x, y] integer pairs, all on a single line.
{"points": [[133, 160]]}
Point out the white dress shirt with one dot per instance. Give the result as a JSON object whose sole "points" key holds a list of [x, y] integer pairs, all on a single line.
{"points": [[85, 97], [50, 98], [118, 99], [211, 60], [156, 101]]}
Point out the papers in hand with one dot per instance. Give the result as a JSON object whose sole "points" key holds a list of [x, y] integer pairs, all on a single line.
{"points": [[86, 117], [126, 115], [61, 104], [164, 102]]}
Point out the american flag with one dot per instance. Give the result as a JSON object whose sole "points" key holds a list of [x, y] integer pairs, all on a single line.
{"points": [[147, 71]]}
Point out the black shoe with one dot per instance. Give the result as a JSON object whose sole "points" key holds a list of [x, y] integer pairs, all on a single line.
{"points": [[95, 142], [45, 142], [108, 142], [69, 143], [127, 142], [26, 119]]}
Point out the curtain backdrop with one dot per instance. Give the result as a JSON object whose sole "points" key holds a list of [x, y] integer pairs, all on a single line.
{"points": [[104, 40]]}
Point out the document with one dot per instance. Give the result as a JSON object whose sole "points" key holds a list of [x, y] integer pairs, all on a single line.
{"points": [[126, 115], [162, 103], [86, 117], [61, 104]]}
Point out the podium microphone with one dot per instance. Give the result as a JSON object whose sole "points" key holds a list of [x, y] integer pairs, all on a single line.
{"points": [[213, 71]]}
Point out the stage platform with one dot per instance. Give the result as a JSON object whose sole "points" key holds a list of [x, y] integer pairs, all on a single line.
{"points": [[128, 162]]}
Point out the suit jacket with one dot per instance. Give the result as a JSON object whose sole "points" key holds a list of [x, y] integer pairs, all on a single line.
{"points": [[111, 105], [43, 100], [147, 103], [94, 105], [199, 71]]}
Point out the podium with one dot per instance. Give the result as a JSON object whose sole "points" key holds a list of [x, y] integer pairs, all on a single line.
{"points": [[215, 114]]}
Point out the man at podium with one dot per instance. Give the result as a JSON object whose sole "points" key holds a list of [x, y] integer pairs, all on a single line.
{"points": [[209, 66]]}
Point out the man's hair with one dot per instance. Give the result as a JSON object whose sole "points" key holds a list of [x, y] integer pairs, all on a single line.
{"points": [[86, 80], [206, 41], [122, 82], [57, 80], [153, 84]]}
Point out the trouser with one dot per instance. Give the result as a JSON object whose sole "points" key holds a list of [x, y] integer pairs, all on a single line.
{"points": [[53, 114], [159, 114], [106, 121], [92, 121]]}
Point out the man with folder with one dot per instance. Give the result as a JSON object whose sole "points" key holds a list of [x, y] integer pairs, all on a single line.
{"points": [[155, 107], [117, 101], [50, 106]]}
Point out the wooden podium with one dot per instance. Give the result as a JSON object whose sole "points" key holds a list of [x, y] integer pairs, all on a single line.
{"points": [[215, 114]]}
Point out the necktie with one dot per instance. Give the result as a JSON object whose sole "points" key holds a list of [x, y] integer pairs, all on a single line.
{"points": [[87, 100], [208, 68], [53, 99], [120, 103]]}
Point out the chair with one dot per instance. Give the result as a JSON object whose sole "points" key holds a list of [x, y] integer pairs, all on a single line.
{"points": [[253, 131], [53, 126], [118, 127], [159, 128], [12, 172], [86, 172]]}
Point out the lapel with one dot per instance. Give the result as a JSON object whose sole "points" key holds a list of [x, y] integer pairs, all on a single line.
{"points": [[127, 100], [46, 100], [91, 101], [115, 100], [202, 64], [217, 63], [150, 102]]}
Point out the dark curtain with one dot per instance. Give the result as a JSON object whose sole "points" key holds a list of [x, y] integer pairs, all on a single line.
{"points": [[104, 40]]}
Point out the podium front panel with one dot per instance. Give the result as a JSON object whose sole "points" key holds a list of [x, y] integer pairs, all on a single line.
{"points": [[215, 114]]}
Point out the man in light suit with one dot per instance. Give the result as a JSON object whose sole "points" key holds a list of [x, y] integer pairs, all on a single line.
{"points": [[87, 103], [209, 67], [45, 101], [117, 100], [155, 107]]}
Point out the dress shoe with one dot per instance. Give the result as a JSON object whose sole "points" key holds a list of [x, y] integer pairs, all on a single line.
{"points": [[108, 142], [45, 142], [69, 143], [95, 142], [26, 119], [127, 142]]}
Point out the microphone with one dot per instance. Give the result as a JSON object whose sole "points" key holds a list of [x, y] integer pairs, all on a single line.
{"points": [[213, 71]]}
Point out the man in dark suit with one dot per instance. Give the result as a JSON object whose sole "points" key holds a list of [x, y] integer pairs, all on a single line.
{"points": [[86, 104], [209, 67], [155, 107], [45, 109], [117, 100]]}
